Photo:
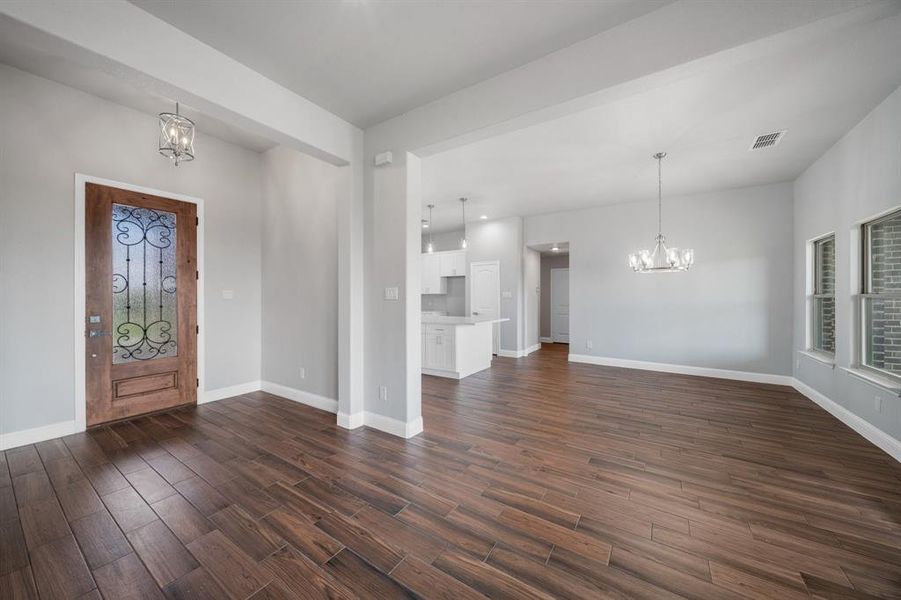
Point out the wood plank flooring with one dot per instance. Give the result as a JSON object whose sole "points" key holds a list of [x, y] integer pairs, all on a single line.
{"points": [[535, 479]]}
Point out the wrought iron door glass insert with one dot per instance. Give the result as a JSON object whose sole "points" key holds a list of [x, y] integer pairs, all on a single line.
{"points": [[145, 306]]}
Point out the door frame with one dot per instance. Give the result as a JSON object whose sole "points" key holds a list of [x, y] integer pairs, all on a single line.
{"points": [[551, 297], [79, 331], [496, 346]]}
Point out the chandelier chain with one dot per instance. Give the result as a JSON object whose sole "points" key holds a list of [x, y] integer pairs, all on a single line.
{"points": [[659, 194]]}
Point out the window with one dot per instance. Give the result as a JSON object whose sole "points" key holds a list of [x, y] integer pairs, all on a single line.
{"points": [[824, 295], [881, 297]]}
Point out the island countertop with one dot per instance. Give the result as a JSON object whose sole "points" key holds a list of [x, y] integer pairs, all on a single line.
{"points": [[443, 320]]}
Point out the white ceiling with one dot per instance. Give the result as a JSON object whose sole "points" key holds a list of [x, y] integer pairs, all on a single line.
{"points": [[817, 90], [370, 60]]}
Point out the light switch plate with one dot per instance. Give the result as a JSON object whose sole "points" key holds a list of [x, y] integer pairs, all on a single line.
{"points": [[391, 293], [507, 294], [228, 294]]}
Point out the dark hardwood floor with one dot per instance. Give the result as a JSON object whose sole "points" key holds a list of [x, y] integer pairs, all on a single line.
{"points": [[536, 479]]}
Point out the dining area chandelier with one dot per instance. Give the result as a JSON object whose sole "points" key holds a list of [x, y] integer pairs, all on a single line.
{"points": [[661, 259]]}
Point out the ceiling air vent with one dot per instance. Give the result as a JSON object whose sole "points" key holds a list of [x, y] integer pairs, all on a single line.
{"points": [[767, 140]]}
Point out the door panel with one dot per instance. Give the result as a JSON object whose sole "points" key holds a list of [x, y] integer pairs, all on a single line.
{"points": [[560, 305], [141, 303], [485, 295]]}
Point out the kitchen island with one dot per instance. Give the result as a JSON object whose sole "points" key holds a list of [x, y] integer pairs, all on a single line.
{"points": [[457, 347]]}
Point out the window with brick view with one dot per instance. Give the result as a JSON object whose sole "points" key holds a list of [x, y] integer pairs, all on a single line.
{"points": [[882, 294]]}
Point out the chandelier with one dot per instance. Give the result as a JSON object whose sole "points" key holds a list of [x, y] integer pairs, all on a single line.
{"points": [[661, 259], [176, 137]]}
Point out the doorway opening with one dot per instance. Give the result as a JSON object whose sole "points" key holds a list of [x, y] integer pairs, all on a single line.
{"points": [[553, 304]]}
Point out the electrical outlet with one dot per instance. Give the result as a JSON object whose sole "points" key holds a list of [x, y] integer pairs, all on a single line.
{"points": [[383, 393], [303, 373], [589, 345], [392, 293], [877, 402]]}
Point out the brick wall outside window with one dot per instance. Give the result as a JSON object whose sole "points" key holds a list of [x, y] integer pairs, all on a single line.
{"points": [[826, 285], [885, 332]]}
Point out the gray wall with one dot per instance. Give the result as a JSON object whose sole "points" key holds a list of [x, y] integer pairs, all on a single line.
{"points": [[50, 132], [393, 260], [856, 179], [443, 240], [501, 240], [731, 311], [300, 271], [548, 263]]}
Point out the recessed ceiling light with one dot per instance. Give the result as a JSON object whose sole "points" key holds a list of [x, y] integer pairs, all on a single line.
{"points": [[555, 248], [483, 217]]}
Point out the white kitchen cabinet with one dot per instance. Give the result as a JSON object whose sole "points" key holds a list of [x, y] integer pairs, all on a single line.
{"points": [[439, 351], [456, 347], [453, 263], [432, 282]]}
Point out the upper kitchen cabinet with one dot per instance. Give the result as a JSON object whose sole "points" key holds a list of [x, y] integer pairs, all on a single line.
{"points": [[432, 281], [453, 263]]}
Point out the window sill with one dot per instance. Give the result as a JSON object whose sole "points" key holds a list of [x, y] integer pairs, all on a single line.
{"points": [[820, 357], [885, 383]]}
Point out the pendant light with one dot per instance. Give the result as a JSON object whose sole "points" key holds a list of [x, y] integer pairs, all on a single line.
{"points": [[176, 137], [661, 259], [463, 206], [430, 248]]}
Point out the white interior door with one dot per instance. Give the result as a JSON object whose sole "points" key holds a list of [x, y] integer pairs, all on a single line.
{"points": [[560, 305], [485, 294]]}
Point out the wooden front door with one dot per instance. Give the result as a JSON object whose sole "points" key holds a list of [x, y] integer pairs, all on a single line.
{"points": [[141, 303]]}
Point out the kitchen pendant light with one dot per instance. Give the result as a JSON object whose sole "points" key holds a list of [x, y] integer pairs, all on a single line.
{"points": [[661, 259], [463, 206], [430, 248], [176, 137]]}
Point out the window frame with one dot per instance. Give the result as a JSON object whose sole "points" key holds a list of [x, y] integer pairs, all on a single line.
{"points": [[866, 267], [816, 294]]}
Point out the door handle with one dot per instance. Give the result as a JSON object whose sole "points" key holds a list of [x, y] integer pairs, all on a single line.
{"points": [[99, 333], [475, 312]]}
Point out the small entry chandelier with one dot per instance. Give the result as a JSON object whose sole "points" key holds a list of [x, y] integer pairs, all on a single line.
{"points": [[176, 137], [661, 259]]}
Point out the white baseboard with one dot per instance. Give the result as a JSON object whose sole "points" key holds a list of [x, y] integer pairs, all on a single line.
{"points": [[683, 369], [870, 432], [518, 353], [308, 398], [546, 340], [351, 421], [453, 374], [382, 423], [230, 391], [394, 426], [15, 439], [508, 353]]}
